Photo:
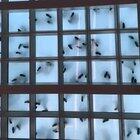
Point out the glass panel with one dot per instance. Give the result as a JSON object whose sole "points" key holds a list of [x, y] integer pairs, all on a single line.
{"points": [[130, 71], [102, 17], [105, 103], [46, 71], [47, 128], [125, 12], [19, 102], [46, 102], [129, 44], [132, 129], [104, 72], [103, 45], [103, 129], [18, 73], [46, 20], [76, 128], [75, 102], [131, 103], [75, 72], [73, 19], [22, 22], [19, 46], [18, 127], [46, 46], [74, 45]]}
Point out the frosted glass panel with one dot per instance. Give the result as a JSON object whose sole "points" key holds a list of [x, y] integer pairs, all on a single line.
{"points": [[46, 20], [76, 129], [130, 71], [105, 103], [132, 129], [129, 44], [18, 73], [19, 47], [131, 103], [102, 17], [75, 72], [46, 46], [19, 102], [21, 25], [73, 19], [47, 128], [125, 11], [46, 72], [46, 102], [18, 127], [74, 45], [103, 45], [103, 129], [75, 102], [104, 72]]}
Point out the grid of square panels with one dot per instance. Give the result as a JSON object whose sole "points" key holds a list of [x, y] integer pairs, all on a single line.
{"points": [[28, 63], [105, 116], [100, 45]]}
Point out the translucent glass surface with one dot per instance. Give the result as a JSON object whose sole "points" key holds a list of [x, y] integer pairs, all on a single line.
{"points": [[103, 129], [19, 102], [132, 129], [103, 45], [75, 102], [104, 72], [105, 103], [125, 11], [21, 25], [74, 45], [46, 72], [129, 44], [46, 46], [46, 20], [18, 127], [131, 103], [18, 73], [130, 71], [51, 132], [76, 127], [19, 46], [47, 102], [73, 19], [76, 72], [102, 17]]}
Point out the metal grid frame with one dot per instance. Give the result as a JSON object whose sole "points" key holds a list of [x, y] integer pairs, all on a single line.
{"points": [[89, 88]]}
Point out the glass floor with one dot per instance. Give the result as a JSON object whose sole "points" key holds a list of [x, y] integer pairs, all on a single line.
{"points": [[70, 73]]}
